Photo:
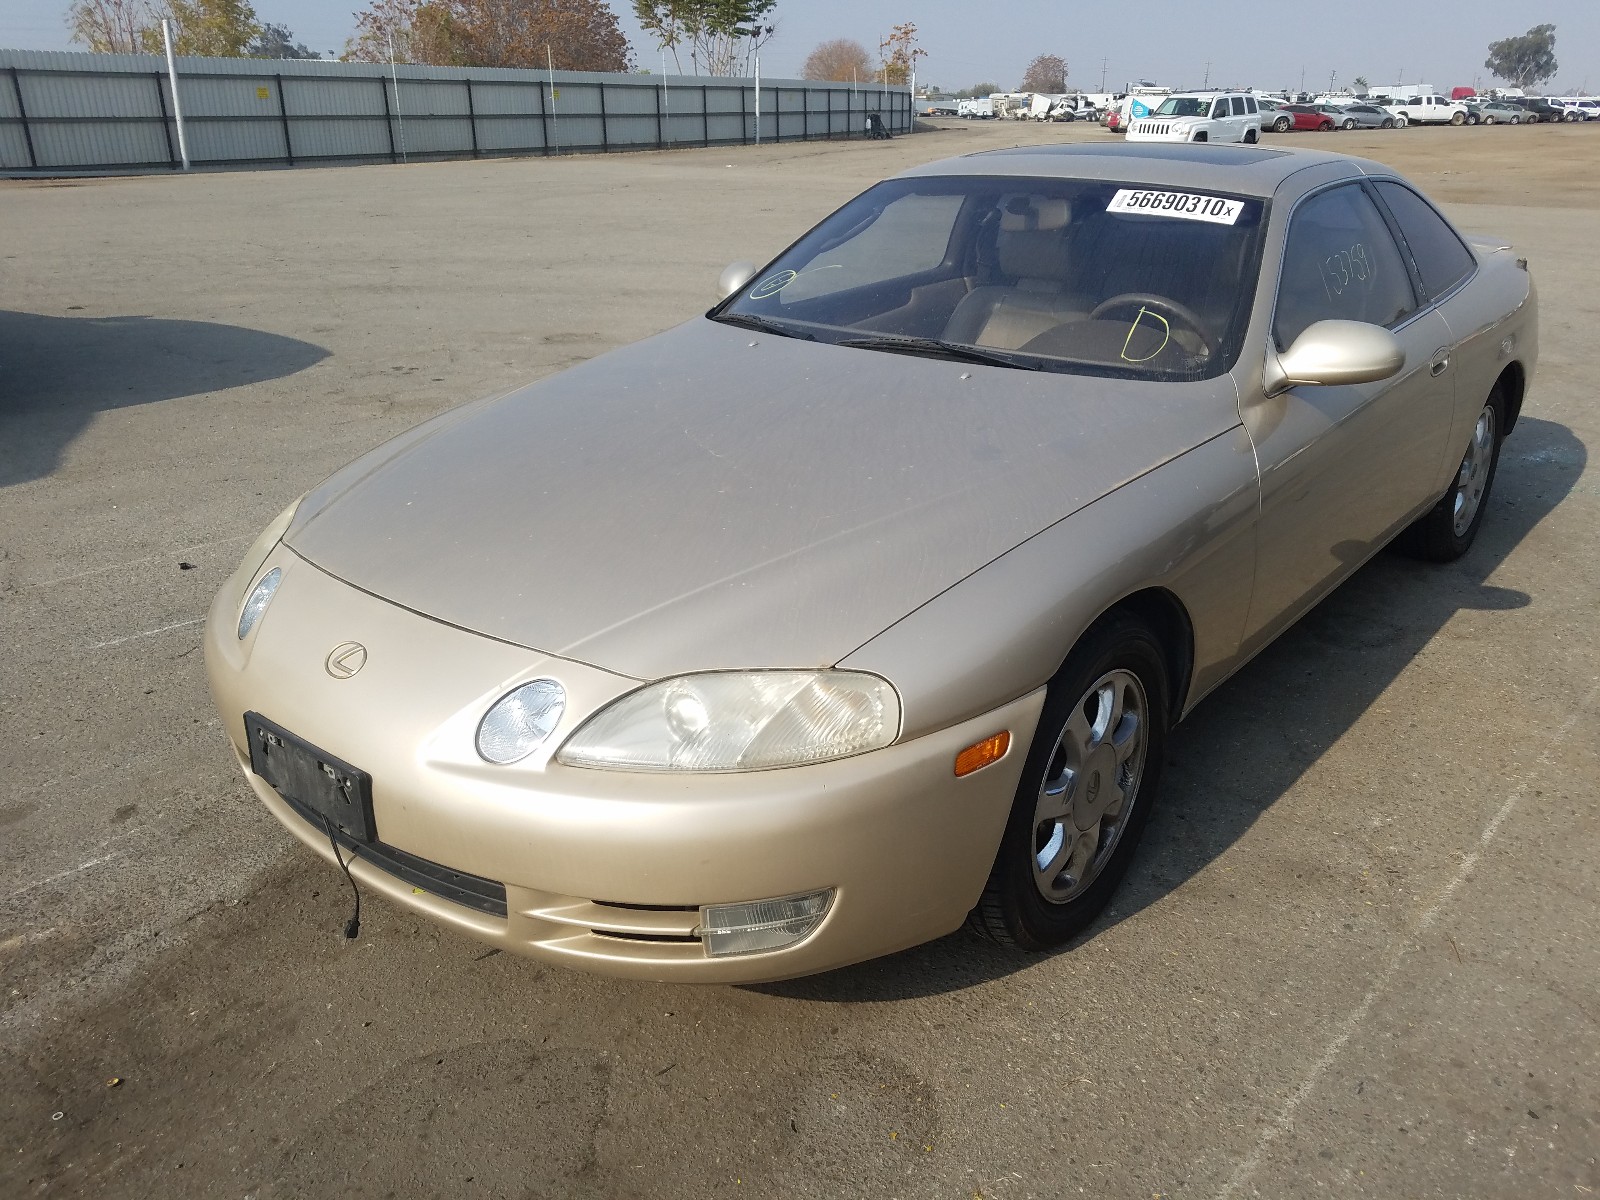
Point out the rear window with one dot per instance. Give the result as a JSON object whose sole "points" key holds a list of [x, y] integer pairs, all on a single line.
{"points": [[1442, 259]]}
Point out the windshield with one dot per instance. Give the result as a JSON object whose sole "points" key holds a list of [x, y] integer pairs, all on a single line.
{"points": [[1184, 106], [1079, 276]]}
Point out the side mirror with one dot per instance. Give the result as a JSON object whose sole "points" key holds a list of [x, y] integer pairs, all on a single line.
{"points": [[1335, 352], [734, 276]]}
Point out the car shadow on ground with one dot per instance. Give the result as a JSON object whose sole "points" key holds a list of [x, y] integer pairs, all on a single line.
{"points": [[56, 373], [1249, 742]]}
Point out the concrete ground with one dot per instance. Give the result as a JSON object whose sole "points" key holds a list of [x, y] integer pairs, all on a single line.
{"points": [[1357, 955]]}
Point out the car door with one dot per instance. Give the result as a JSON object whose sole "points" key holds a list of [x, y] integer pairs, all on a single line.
{"points": [[1343, 467], [1443, 265]]}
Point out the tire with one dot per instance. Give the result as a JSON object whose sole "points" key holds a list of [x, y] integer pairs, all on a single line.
{"points": [[1458, 118], [1251, 137], [1282, 124], [1488, 120], [1388, 123], [1448, 529], [1350, 123], [1401, 121], [1325, 127], [1071, 782], [1516, 120]]}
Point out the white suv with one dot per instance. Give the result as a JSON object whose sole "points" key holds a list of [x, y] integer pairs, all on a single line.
{"points": [[1201, 117]]}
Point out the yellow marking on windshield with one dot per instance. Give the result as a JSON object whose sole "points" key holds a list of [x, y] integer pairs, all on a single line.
{"points": [[1166, 336]]}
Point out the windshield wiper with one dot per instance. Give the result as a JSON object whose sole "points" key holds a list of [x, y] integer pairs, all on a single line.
{"points": [[765, 325], [954, 350]]}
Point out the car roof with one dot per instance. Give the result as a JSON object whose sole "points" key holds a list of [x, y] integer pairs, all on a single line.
{"points": [[1240, 169]]}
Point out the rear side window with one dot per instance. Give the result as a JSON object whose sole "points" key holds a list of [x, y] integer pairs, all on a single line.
{"points": [[1441, 257], [1238, 106], [1340, 263]]}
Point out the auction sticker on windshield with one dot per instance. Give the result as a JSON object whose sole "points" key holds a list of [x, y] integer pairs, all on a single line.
{"points": [[1177, 204]]}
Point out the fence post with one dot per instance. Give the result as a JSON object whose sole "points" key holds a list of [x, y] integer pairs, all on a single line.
{"points": [[744, 115], [605, 121], [27, 133], [166, 128], [283, 115], [544, 118], [472, 118], [705, 115], [661, 143], [388, 117]]}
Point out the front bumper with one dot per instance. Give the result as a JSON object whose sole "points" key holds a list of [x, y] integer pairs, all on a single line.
{"points": [[603, 870]]}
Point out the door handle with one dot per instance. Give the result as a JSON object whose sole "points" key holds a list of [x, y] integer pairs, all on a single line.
{"points": [[1441, 364]]}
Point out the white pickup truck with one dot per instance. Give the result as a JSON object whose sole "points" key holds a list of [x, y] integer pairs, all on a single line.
{"points": [[1426, 110]]}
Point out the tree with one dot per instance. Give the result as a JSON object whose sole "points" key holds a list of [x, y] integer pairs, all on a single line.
{"points": [[898, 54], [978, 91], [216, 28], [720, 34], [111, 26], [579, 35], [840, 60], [275, 41], [1527, 60], [1047, 73]]}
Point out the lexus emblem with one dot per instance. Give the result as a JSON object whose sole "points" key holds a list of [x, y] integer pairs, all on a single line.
{"points": [[345, 659]]}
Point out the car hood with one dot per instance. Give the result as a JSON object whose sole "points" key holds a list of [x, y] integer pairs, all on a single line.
{"points": [[717, 498]]}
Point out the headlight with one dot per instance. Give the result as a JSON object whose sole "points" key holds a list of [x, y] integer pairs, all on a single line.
{"points": [[260, 596], [520, 720], [739, 721]]}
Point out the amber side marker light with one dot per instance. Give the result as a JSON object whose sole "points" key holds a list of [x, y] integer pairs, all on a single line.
{"points": [[981, 754]]}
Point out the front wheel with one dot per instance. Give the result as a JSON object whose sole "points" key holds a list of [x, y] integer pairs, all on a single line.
{"points": [[1401, 121], [1086, 790], [1448, 529], [1516, 120], [1282, 124], [1488, 120], [1458, 119], [1388, 123], [1350, 123]]}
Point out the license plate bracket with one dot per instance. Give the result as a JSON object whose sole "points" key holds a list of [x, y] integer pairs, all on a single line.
{"points": [[317, 781]]}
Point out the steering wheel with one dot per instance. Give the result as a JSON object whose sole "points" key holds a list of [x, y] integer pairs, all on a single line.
{"points": [[1161, 305]]}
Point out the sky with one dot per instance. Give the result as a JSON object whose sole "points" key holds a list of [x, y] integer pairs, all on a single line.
{"points": [[1181, 43]]}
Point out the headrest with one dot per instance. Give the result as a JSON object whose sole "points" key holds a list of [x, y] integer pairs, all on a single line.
{"points": [[1022, 213]]}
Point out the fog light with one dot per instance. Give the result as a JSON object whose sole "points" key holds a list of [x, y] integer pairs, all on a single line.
{"points": [[761, 925]]}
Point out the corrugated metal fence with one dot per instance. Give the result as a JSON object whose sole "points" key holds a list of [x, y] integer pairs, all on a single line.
{"points": [[67, 112]]}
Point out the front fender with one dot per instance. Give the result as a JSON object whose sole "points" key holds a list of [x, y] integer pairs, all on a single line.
{"points": [[1187, 527]]}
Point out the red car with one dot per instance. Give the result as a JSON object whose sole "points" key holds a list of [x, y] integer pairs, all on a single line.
{"points": [[1306, 117]]}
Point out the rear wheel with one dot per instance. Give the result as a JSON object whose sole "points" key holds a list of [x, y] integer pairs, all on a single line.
{"points": [[1448, 529], [1488, 120], [1282, 124], [1251, 137], [1388, 123], [1458, 118], [1086, 791], [1350, 123]]}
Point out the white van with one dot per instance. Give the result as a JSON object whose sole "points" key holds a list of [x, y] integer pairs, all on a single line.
{"points": [[1201, 117]]}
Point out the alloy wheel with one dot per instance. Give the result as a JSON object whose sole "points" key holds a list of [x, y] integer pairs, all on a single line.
{"points": [[1473, 477], [1090, 787]]}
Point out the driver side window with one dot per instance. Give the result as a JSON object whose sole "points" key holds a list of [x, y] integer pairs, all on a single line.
{"points": [[1340, 263]]}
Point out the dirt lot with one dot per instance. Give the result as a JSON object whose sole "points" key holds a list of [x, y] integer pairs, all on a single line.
{"points": [[1356, 955]]}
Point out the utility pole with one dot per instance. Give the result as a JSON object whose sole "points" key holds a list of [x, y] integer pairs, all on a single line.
{"points": [[1207, 81], [177, 106], [1103, 63]]}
